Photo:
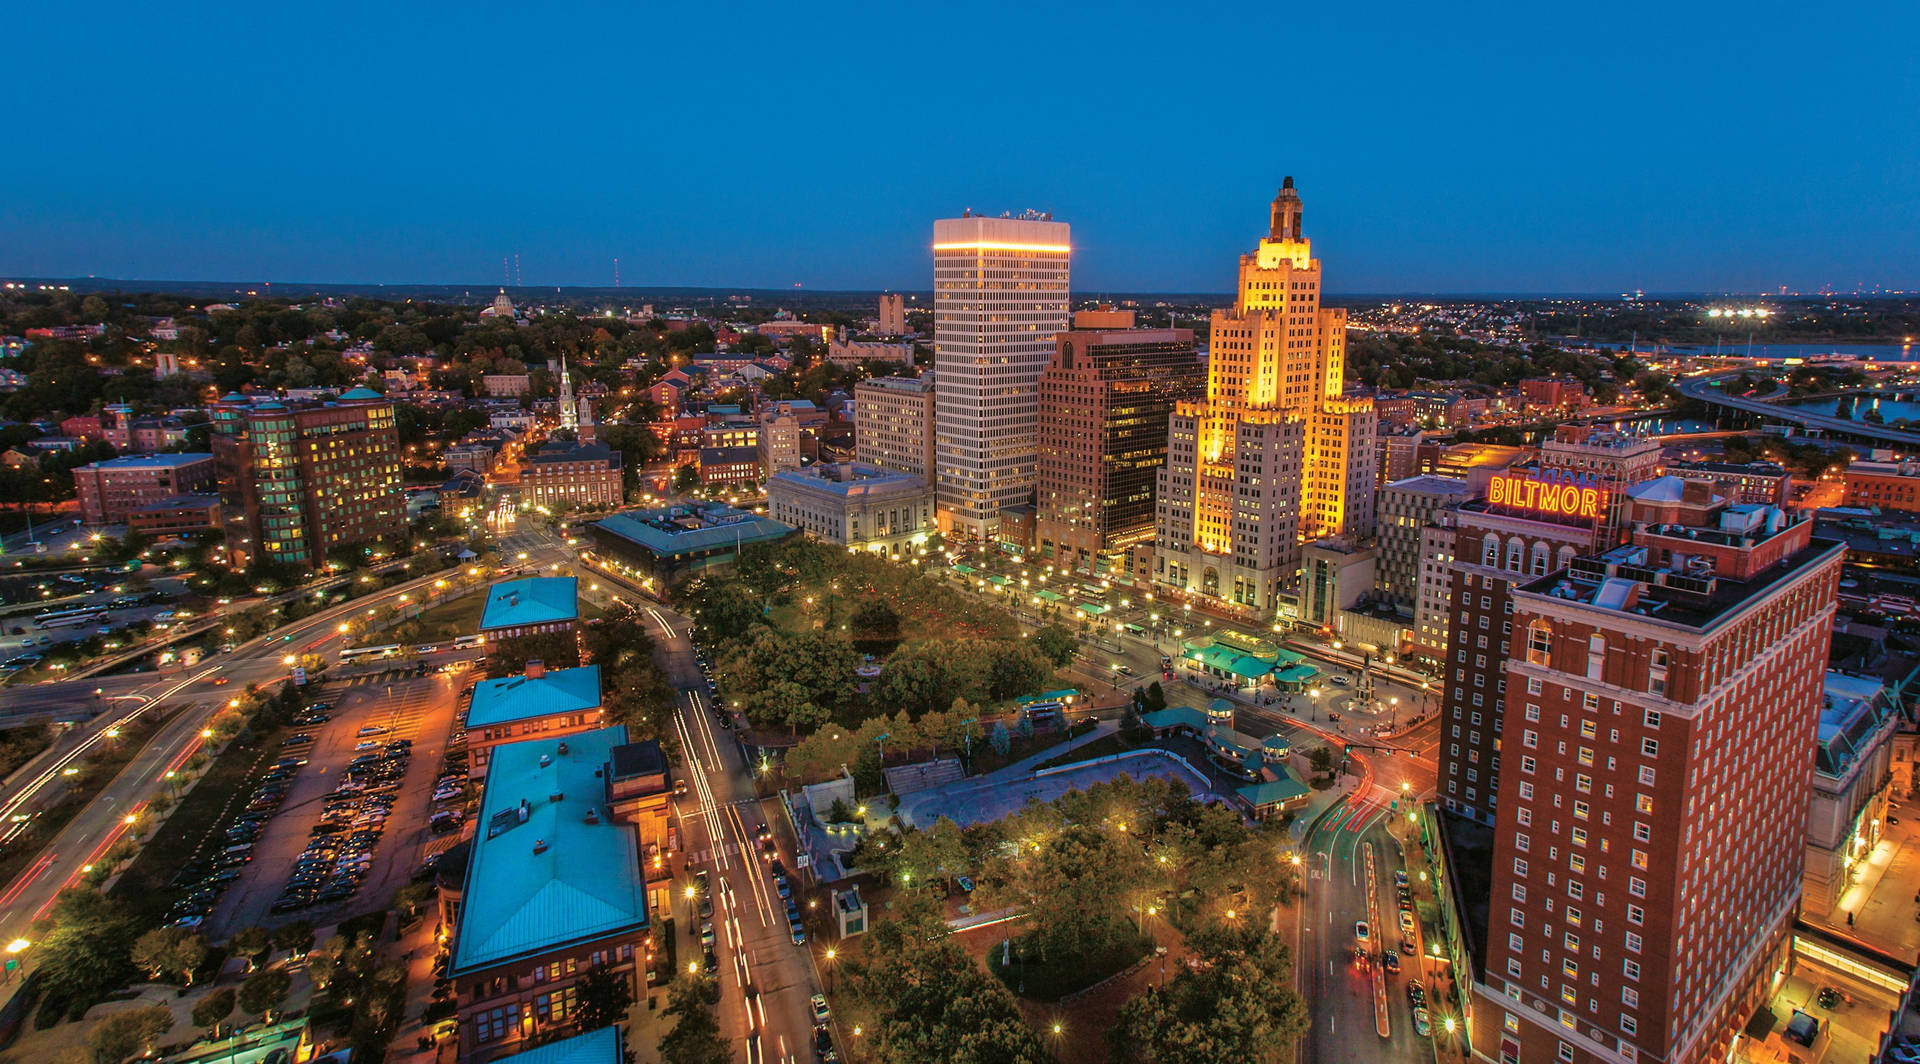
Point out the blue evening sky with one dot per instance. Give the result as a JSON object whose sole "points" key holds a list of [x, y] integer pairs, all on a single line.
{"points": [[1443, 147]]}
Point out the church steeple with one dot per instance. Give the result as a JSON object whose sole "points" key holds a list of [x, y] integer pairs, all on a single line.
{"points": [[569, 413], [1286, 213]]}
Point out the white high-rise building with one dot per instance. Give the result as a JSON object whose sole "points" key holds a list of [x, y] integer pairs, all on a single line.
{"points": [[999, 296]]}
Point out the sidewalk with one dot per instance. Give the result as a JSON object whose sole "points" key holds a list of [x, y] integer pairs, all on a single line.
{"points": [[416, 949]]}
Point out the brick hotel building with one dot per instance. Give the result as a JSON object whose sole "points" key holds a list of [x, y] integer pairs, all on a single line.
{"points": [[1646, 869]]}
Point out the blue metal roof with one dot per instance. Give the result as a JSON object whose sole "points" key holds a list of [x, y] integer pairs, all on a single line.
{"points": [[512, 698], [151, 461], [531, 600], [598, 1046], [583, 883]]}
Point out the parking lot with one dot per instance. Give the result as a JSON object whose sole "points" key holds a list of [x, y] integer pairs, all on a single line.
{"points": [[353, 825]]}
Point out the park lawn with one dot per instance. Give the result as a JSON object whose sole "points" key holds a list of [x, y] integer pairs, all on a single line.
{"points": [[1057, 977], [147, 884], [459, 615]]}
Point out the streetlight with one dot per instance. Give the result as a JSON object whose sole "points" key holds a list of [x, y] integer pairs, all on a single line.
{"points": [[831, 954]]}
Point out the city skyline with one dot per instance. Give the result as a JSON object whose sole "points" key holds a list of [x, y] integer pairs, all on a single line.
{"points": [[1669, 161]]}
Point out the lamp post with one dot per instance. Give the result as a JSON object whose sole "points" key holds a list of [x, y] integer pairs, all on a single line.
{"points": [[831, 954]]}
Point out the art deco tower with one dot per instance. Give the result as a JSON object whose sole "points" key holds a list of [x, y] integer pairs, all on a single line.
{"points": [[1276, 455]]}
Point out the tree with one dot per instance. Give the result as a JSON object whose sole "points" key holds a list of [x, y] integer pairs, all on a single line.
{"points": [[605, 996], [170, 951], [1056, 644], [1239, 1006], [83, 949], [324, 962], [695, 1037], [1001, 738], [685, 479], [253, 943], [123, 1034], [1156, 698], [264, 992], [212, 1010], [932, 1001], [296, 938], [1321, 758]]}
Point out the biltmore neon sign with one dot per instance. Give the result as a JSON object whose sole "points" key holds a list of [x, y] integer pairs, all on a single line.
{"points": [[1547, 497]]}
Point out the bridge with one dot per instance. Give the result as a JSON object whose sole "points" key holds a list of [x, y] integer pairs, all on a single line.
{"points": [[1705, 391]]}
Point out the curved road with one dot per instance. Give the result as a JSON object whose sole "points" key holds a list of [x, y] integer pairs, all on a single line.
{"points": [[1703, 389]]}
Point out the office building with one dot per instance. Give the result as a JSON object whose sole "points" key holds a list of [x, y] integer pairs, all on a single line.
{"points": [[1398, 448], [112, 490], [894, 424], [999, 296], [178, 515], [1883, 486], [1406, 509], [1105, 399], [852, 504], [893, 314], [731, 467], [1664, 696], [1267, 460], [779, 437], [309, 479], [582, 476], [1433, 597], [555, 885]]}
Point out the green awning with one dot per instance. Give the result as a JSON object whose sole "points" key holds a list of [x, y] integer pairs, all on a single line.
{"points": [[1048, 596], [1288, 657], [1296, 674], [1088, 607], [1225, 659], [999, 580], [965, 570]]}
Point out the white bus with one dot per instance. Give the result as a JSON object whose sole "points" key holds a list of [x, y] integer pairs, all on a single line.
{"points": [[69, 618], [469, 642], [349, 655]]}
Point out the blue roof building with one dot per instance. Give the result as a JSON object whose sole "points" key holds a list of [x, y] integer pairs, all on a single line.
{"points": [[598, 1046], [553, 887], [669, 542], [538, 702], [531, 604]]}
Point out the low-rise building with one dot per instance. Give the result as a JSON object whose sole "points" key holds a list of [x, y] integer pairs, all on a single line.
{"points": [[668, 542], [853, 504], [530, 606], [1756, 483], [1334, 576], [112, 490], [730, 467], [555, 886], [179, 515], [1885, 485], [536, 703], [506, 385], [585, 476], [848, 354], [1852, 786]]}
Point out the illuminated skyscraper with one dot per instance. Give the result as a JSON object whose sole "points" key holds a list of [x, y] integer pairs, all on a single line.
{"points": [[1276, 455], [999, 296]]}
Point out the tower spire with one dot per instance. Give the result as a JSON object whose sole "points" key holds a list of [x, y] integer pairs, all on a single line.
{"points": [[1286, 212], [569, 413]]}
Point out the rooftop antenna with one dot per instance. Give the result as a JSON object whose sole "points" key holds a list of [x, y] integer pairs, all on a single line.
{"points": [[516, 269], [616, 271], [506, 274]]}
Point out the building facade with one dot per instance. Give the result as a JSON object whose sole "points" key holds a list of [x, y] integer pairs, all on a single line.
{"points": [[848, 354], [852, 504], [779, 438], [1406, 510], [1760, 483], [1265, 462], [894, 424], [585, 476], [112, 490], [308, 478], [1645, 872], [1105, 400], [539, 703], [999, 295], [1884, 485], [893, 314], [1433, 602]]}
